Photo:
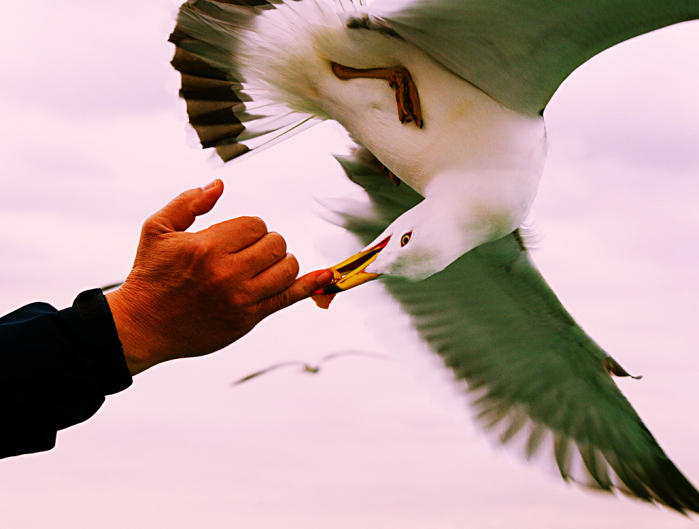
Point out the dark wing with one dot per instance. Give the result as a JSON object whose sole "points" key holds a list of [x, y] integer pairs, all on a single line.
{"points": [[536, 379], [366, 354], [268, 369], [520, 51], [224, 114]]}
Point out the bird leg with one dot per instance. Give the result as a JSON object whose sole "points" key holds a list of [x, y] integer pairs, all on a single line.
{"points": [[391, 175], [398, 78]]}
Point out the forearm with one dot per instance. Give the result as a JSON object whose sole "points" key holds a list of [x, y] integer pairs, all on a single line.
{"points": [[55, 369]]}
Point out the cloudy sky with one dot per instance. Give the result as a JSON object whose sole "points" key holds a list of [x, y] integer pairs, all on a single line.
{"points": [[93, 140]]}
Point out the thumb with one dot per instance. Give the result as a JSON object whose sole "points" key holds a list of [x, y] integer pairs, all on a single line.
{"points": [[179, 213], [302, 288]]}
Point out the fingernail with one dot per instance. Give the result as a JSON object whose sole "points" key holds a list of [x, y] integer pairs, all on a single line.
{"points": [[210, 185], [324, 279]]}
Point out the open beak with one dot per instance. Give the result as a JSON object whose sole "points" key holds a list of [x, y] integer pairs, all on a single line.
{"points": [[350, 272]]}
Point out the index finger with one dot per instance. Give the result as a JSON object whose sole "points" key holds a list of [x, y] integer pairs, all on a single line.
{"points": [[234, 235], [302, 288]]}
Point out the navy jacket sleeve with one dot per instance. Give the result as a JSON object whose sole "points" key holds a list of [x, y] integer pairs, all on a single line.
{"points": [[55, 369]]}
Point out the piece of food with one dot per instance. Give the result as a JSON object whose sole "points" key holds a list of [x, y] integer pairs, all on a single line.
{"points": [[323, 300]]}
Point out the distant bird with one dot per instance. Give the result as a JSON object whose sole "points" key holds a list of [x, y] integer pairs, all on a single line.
{"points": [[448, 97], [307, 367]]}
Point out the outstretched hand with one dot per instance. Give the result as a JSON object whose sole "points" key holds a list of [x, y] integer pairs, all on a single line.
{"points": [[190, 294]]}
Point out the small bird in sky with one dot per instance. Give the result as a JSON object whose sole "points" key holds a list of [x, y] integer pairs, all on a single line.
{"points": [[447, 96], [308, 367]]}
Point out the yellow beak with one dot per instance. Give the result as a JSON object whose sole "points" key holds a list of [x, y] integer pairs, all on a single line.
{"points": [[350, 272]]}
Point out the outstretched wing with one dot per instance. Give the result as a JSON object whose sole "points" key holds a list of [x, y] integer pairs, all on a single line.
{"points": [[225, 115], [269, 369], [367, 354], [536, 379], [520, 51]]}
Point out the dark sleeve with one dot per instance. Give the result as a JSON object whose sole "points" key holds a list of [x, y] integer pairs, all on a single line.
{"points": [[55, 369]]}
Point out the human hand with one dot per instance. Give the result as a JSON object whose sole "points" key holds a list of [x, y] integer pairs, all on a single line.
{"points": [[190, 294]]}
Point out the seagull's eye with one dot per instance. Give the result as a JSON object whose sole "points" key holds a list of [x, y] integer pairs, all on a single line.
{"points": [[405, 239]]}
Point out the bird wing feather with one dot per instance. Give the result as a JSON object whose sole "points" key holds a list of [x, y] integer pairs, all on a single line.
{"points": [[536, 379], [520, 51], [516, 51], [225, 114]]}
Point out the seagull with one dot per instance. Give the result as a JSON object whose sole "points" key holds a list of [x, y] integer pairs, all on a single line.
{"points": [[447, 97], [305, 366]]}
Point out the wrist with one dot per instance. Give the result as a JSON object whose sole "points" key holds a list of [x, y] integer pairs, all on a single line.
{"points": [[129, 325]]}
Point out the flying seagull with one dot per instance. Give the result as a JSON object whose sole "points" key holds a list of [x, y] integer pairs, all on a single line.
{"points": [[307, 367], [446, 96]]}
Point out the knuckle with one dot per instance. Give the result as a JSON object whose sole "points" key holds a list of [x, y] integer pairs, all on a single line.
{"points": [[290, 269], [241, 297], [201, 249], [150, 226], [280, 301], [217, 279], [187, 195], [276, 245], [252, 225], [293, 263], [183, 199], [283, 275], [196, 260]]}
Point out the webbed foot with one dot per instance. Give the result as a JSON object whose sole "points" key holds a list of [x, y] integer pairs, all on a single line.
{"points": [[398, 78]]}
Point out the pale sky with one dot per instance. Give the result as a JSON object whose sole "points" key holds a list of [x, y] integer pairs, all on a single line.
{"points": [[93, 140]]}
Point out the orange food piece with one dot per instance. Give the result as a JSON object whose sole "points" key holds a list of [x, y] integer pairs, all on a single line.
{"points": [[323, 300]]}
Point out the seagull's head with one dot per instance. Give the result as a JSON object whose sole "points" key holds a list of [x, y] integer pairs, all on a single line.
{"points": [[419, 243]]}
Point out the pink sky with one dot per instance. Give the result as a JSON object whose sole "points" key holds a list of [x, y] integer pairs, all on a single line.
{"points": [[93, 140]]}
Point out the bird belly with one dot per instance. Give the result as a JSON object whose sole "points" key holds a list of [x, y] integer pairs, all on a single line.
{"points": [[464, 129], [289, 54]]}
